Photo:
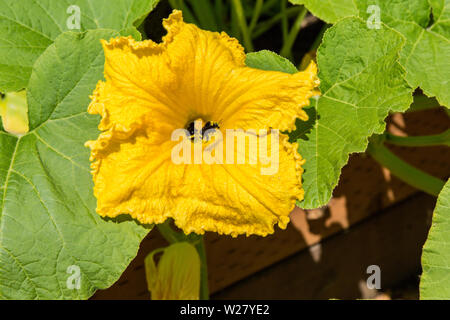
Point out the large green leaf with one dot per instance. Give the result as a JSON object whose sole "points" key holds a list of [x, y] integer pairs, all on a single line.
{"points": [[361, 82], [435, 280], [425, 25], [330, 10], [28, 27], [426, 54], [48, 221]]}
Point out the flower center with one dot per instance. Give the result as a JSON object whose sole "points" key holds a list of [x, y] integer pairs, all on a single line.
{"points": [[199, 131]]}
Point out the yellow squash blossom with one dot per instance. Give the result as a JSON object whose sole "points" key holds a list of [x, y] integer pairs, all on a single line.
{"points": [[153, 89]]}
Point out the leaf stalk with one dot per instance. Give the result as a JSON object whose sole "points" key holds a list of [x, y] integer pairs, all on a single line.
{"points": [[403, 170]]}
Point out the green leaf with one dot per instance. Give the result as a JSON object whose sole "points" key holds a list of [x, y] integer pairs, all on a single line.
{"points": [[361, 82], [426, 54], [49, 229], [270, 61], [28, 27], [425, 25], [329, 11], [435, 279]]}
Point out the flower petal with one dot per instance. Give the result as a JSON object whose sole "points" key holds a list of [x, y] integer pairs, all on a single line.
{"points": [[258, 99], [138, 82], [138, 177], [174, 81]]}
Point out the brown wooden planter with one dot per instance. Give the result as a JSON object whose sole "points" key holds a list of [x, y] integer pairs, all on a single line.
{"points": [[372, 214]]}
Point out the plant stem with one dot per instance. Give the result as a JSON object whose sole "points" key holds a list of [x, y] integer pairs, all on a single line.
{"points": [[420, 141], [234, 25], [255, 17], [237, 5], [219, 11], [319, 37], [286, 50], [204, 289], [205, 14], [267, 24], [269, 4], [284, 20], [187, 14], [168, 233], [411, 175]]}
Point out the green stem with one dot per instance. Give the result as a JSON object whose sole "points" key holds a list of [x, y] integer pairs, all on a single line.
{"points": [[205, 14], [268, 5], [420, 141], [168, 233], [319, 37], [175, 4], [284, 20], [411, 175], [255, 17], [204, 289], [286, 50], [237, 5], [219, 11], [234, 26], [187, 14], [268, 24]]}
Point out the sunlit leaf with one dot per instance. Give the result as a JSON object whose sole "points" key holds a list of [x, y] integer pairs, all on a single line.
{"points": [[425, 26], [435, 279], [49, 231], [329, 10], [28, 27], [426, 55]]}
